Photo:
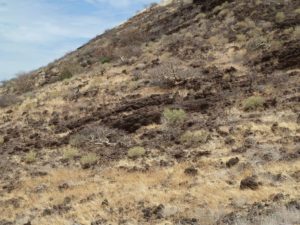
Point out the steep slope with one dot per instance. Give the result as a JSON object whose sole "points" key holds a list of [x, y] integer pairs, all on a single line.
{"points": [[185, 114]]}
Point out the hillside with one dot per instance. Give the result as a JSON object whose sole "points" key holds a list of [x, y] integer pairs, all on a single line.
{"points": [[186, 114]]}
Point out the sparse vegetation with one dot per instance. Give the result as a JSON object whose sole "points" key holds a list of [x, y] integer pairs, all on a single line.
{"points": [[174, 117], [88, 160], [65, 74], [194, 138], [30, 157], [70, 153], [1, 140], [77, 140], [253, 102], [8, 100], [296, 33], [280, 17], [23, 83], [105, 59], [136, 152]]}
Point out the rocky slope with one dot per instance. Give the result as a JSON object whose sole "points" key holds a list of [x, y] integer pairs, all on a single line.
{"points": [[185, 114]]}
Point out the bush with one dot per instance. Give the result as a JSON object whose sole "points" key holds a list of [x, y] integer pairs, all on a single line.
{"points": [[136, 152], [30, 157], [8, 100], [253, 103], [65, 74], [23, 83], [88, 160], [2, 140], [192, 138], [280, 17], [70, 153], [77, 140], [105, 59], [296, 33], [174, 117]]}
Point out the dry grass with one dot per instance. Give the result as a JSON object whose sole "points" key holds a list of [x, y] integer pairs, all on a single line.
{"points": [[169, 186]]}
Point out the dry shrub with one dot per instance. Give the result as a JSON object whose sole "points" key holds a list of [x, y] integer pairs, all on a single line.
{"points": [[253, 103], [100, 135], [194, 138], [8, 100], [88, 160], [168, 75], [30, 157], [136, 152], [131, 37], [23, 83]]}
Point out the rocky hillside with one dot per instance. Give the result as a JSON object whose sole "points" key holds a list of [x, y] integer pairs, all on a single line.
{"points": [[186, 114]]}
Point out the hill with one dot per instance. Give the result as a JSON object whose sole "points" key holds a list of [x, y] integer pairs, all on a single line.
{"points": [[188, 113]]}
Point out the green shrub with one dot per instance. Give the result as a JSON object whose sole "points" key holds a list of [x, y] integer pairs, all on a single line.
{"points": [[70, 153], [105, 59], [253, 103], [280, 17], [296, 32], [174, 117], [2, 140], [30, 157], [88, 160], [65, 74], [192, 138], [136, 152]]}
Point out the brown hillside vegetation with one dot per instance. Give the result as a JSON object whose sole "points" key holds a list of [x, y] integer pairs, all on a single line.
{"points": [[187, 114]]}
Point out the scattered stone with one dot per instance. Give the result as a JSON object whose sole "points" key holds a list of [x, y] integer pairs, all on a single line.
{"points": [[232, 162], [229, 140], [224, 130], [277, 197], [239, 150], [249, 183], [155, 212], [191, 171], [63, 186], [40, 188], [188, 221], [99, 222]]}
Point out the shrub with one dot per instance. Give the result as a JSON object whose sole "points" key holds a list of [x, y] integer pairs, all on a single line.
{"points": [[174, 117], [70, 153], [65, 74], [77, 140], [8, 100], [136, 152], [23, 83], [2, 140], [105, 59], [30, 157], [192, 138], [257, 43], [88, 160], [296, 32], [253, 103], [280, 17], [241, 37]]}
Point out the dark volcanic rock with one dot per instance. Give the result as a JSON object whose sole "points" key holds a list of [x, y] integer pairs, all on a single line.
{"points": [[231, 162], [249, 183]]}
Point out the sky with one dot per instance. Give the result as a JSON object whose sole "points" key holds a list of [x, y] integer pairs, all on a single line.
{"points": [[35, 32]]}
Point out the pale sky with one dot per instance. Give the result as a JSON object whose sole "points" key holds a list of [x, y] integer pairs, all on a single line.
{"points": [[35, 32]]}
